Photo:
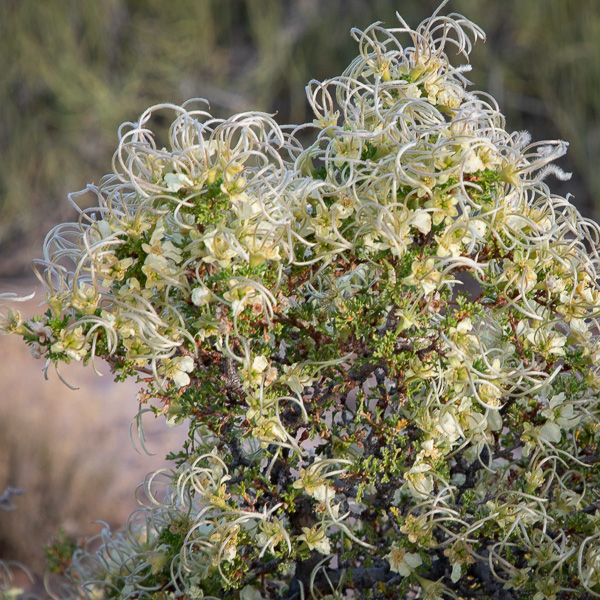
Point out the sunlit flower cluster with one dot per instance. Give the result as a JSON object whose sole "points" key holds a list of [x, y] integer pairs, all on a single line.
{"points": [[383, 340]]}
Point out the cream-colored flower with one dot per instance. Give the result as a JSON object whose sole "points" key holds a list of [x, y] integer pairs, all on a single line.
{"points": [[201, 296], [316, 539], [421, 220], [71, 342], [218, 249], [294, 378], [403, 562], [253, 374], [346, 147], [267, 429], [448, 425], [419, 483], [547, 342], [472, 163], [161, 248], [424, 276], [313, 483], [177, 369], [177, 181], [560, 415], [85, 299]]}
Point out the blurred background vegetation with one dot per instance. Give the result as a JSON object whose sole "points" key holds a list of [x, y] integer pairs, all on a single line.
{"points": [[73, 70]]}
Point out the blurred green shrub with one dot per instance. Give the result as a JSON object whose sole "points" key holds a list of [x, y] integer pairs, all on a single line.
{"points": [[543, 66], [73, 71]]}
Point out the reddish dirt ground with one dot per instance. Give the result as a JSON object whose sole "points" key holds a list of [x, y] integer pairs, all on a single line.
{"points": [[68, 450]]}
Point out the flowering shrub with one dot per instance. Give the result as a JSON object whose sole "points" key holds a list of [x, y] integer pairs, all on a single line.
{"points": [[383, 341]]}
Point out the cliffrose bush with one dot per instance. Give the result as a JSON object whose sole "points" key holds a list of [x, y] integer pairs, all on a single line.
{"points": [[383, 341]]}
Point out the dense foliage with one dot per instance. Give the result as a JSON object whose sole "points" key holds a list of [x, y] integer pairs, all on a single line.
{"points": [[384, 343]]}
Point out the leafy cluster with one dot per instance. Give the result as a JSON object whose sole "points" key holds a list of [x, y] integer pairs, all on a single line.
{"points": [[383, 341]]}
